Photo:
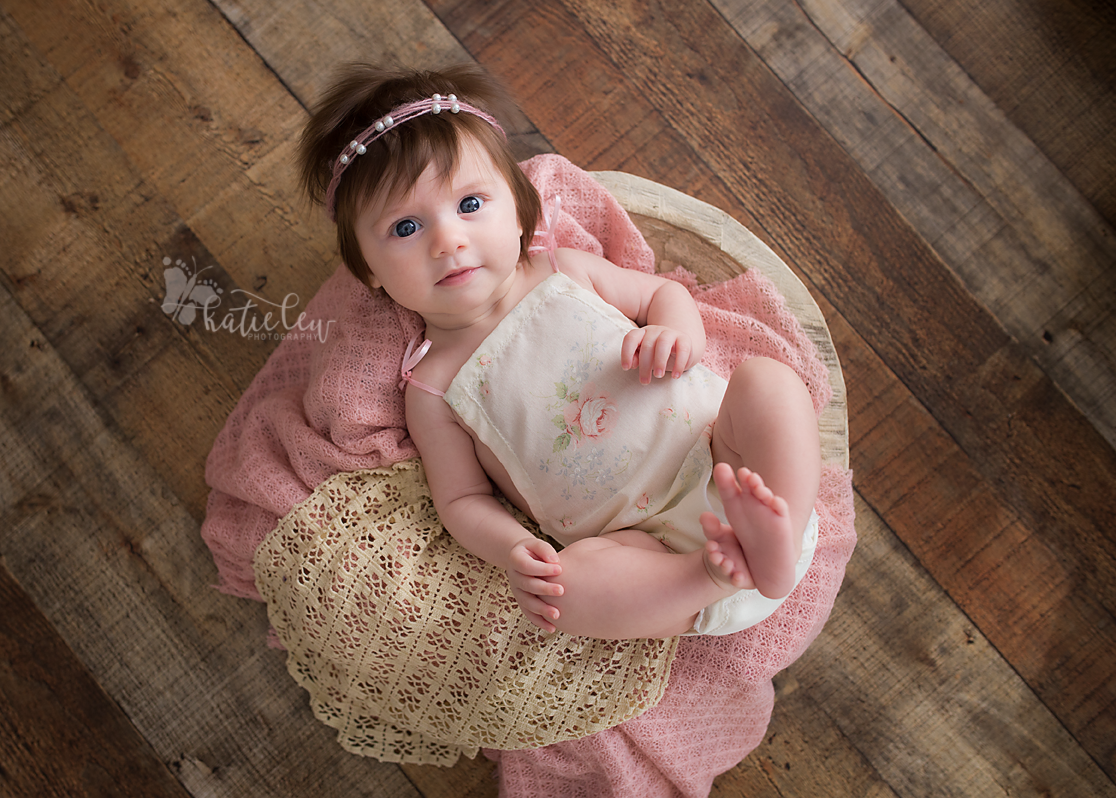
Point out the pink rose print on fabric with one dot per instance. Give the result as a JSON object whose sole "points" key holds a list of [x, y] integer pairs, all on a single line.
{"points": [[589, 416], [674, 413]]}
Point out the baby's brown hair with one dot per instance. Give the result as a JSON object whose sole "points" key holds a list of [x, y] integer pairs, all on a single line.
{"points": [[360, 95]]}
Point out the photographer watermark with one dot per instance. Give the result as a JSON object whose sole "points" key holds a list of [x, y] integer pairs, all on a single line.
{"points": [[188, 297]]}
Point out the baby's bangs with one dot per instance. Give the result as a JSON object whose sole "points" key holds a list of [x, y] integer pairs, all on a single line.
{"points": [[394, 163], [429, 141]]}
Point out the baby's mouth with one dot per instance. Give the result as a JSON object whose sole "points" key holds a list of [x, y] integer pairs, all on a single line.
{"points": [[457, 277]]}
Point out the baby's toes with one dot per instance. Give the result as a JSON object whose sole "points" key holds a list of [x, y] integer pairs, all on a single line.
{"points": [[764, 494], [725, 480], [714, 556], [711, 526], [752, 481], [749, 478], [720, 566]]}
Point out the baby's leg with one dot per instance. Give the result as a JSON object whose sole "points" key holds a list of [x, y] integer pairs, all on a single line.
{"points": [[768, 454], [648, 591]]}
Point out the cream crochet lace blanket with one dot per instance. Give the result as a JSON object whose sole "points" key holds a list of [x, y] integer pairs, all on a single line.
{"points": [[313, 441], [414, 650]]}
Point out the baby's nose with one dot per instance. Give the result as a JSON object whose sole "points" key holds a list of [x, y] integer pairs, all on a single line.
{"points": [[449, 238]]}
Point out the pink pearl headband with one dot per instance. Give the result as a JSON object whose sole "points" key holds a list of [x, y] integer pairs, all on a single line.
{"points": [[359, 145]]}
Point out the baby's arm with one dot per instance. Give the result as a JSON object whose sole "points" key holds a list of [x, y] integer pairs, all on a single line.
{"points": [[670, 335], [464, 499]]}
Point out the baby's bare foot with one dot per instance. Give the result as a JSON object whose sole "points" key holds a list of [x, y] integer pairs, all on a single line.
{"points": [[724, 559], [761, 523]]}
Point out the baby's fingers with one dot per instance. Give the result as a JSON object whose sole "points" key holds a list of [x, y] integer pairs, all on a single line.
{"points": [[536, 587], [666, 344], [540, 621], [536, 561], [629, 349], [653, 349], [683, 351], [648, 358], [537, 611], [541, 549], [536, 605]]}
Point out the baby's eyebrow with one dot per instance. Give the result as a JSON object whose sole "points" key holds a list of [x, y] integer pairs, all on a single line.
{"points": [[401, 208], [393, 210], [479, 185]]}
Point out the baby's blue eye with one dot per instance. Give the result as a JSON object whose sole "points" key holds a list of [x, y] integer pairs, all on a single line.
{"points": [[470, 205], [405, 228]]}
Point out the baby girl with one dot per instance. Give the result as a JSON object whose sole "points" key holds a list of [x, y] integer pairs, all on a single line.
{"points": [[684, 503]]}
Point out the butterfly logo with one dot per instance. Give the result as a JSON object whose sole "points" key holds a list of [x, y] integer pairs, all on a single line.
{"points": [[185, 295]]}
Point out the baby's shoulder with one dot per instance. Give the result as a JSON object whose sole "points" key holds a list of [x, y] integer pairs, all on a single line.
{"points": [[580, 261], [584, 268], [603, 277], [441, 363]]}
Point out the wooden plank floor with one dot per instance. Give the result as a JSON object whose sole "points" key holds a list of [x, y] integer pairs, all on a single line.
{"points": [[939, 174]]}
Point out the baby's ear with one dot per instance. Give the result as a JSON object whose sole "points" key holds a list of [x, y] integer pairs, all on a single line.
{"points": [[373, 283]]}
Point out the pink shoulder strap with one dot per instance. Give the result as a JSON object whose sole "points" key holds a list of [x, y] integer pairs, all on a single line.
{"points": [[409, 362], [550, 219]]}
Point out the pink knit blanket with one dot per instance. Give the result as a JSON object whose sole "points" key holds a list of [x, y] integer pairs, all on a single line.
{"points": [[318, 408]]}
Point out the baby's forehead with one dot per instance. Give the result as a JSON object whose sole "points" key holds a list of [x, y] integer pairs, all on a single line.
{"points": [[473, 168]]}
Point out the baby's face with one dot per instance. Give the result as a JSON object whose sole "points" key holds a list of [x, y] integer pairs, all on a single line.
{"points": [[446, 249]]}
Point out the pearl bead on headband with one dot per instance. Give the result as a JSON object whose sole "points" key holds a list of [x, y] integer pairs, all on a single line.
{"points": [[434, 105]]}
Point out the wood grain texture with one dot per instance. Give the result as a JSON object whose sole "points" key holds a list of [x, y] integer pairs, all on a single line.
{"points": [[60, 735], [1050, 66], [97, 223], [1001, 215]]}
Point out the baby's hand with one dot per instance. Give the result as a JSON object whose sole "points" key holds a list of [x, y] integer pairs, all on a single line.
{"points": [[530, 560], [655, 349]]}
